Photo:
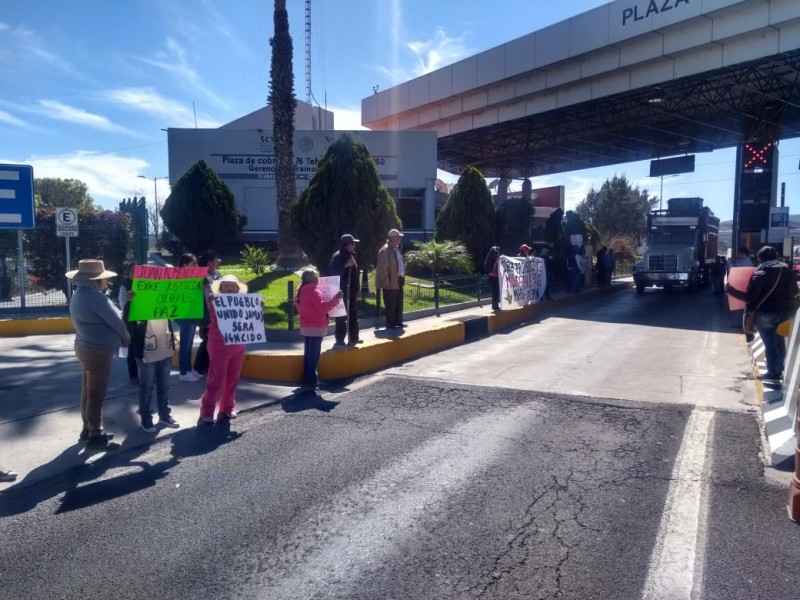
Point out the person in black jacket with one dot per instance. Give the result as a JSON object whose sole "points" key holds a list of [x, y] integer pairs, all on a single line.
{"points": [[491, 269], [343, 264], [772, 295]]}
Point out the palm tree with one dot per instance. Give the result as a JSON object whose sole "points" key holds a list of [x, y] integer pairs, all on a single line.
{"points": [[281, 98], [438, 257]]}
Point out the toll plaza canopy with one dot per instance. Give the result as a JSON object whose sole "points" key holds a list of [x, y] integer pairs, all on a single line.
{"points": [[630, 80]]}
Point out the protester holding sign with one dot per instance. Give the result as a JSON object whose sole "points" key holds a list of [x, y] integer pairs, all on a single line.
{"points": [[225, 358], [152, 345], [210, 261], [313, 311], [186, 328]]}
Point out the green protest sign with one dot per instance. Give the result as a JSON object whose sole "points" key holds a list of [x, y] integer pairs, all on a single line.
{"points": [[167, 293]]}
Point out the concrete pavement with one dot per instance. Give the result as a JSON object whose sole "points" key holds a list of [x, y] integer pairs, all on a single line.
{"points": [[40, 382]]}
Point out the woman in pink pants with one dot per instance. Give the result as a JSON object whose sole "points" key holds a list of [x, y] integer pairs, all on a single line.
{"points": [[226, 361]]}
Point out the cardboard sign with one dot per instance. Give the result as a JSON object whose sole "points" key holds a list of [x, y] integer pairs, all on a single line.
{"points": [[739, 278], [240, 318], [167, 293], [329, 286], [522, 281]]}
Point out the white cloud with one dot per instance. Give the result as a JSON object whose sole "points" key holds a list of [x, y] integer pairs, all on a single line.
{"points": [[148, 100], [23, 45], [174, 61], [430, 55], [11, 119], [110, 178], [347, 119], [63, 112]]}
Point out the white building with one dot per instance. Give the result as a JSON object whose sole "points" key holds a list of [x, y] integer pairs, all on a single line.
{"points": [[242, 153]]}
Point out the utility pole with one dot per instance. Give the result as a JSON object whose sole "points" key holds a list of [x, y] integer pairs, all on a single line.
{"points": [[155, 200]]}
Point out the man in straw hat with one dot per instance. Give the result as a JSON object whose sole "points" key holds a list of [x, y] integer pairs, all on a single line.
{"points": [[99, 332]]}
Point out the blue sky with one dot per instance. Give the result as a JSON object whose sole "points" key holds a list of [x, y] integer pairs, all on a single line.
{"points": [[88, 85]]}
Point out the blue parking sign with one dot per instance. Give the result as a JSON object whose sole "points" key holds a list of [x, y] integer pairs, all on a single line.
{"points": [[16, 197]]}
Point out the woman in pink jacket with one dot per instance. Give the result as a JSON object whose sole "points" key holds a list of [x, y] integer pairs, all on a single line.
{"points": [[226, 360], [313, 312]]}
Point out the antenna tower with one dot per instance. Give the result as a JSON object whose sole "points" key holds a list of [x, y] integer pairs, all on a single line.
{"points": [[308, 51]]}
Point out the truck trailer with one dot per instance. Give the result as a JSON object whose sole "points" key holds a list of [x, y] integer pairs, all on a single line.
{"points": [[681, 246]]}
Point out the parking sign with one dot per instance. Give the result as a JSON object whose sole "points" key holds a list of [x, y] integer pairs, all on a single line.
{"points": [[16, 197]]}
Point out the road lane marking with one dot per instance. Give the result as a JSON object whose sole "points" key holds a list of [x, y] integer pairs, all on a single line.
{"points": [[364, 524], [674, 569]]}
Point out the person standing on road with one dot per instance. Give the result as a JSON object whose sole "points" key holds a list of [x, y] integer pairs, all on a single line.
{"points": [[610, 263], [152, 345], [742, 258], [772, 294], [186, 329], [226, 360], [211, 261], [600, 267], [125, 287], [390, 277], [490, 268], [99, 332], [313, 312], [343, 264]]}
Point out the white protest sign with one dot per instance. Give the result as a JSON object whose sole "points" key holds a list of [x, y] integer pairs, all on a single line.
{"points": [[329, 286], [240, 318], [522, 281]]}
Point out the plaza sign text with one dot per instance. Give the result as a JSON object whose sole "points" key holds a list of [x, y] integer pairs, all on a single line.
{"points": [[639, 12]]}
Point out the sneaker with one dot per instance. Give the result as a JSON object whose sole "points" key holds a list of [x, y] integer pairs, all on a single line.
{"points": [[147, 425], [339, 345], [226, 416], [189, 377], [7, 475], [353, 343], [198, 374], [204, 422], [168, 422], [102, 442], [768, 377], [84, 435]]}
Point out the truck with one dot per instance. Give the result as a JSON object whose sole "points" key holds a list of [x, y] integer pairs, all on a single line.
{"points": [[681, 246]]}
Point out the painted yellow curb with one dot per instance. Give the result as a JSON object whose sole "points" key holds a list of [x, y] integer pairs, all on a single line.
{"points": [[43, 326], [354, 360]]}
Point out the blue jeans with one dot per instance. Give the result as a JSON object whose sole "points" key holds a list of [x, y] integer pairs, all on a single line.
{"points": [[186, 327], [154, 375], [311, 351], [774, 345]]}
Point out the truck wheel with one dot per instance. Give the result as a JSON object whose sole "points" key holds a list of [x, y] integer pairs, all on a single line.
{"points": [[640, 288]]}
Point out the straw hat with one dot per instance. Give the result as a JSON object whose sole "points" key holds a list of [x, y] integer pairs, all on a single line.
{"points": [[90, 270], [229, 278]]}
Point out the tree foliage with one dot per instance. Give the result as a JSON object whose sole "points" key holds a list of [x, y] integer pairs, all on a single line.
{"points": [[617, 208], [515, 217], [437, 258], [102, 234], [468, 216], [62, 193], [281, 98], [201, 210], [344, 196]]}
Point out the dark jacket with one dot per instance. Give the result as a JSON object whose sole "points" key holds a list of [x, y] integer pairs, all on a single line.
{"points": [[491, 260], [349, 274], [783, 297]]}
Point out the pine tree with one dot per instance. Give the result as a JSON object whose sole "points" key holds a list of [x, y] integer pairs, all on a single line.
{"points": [[468, 216], [344, 196]]}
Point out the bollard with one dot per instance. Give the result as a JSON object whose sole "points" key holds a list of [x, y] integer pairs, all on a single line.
{"points": [[794, 485]]}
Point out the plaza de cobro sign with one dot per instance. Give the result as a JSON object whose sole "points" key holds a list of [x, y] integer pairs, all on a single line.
{"points": [[167, 293]]}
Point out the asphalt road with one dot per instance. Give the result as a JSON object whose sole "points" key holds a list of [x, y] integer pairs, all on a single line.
{"points": [[610, 451]]}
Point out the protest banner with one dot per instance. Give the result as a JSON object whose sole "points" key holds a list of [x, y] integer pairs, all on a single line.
{"points": [[522, 281], [739, 278], [167, 293], [240, 318], [329, 286]]}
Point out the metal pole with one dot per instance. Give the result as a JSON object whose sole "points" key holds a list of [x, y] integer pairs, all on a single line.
{"points": [[69, 265], [21, 270]]}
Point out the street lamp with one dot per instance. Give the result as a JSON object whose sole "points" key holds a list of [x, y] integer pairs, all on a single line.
{"points": [[155, 200]]}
